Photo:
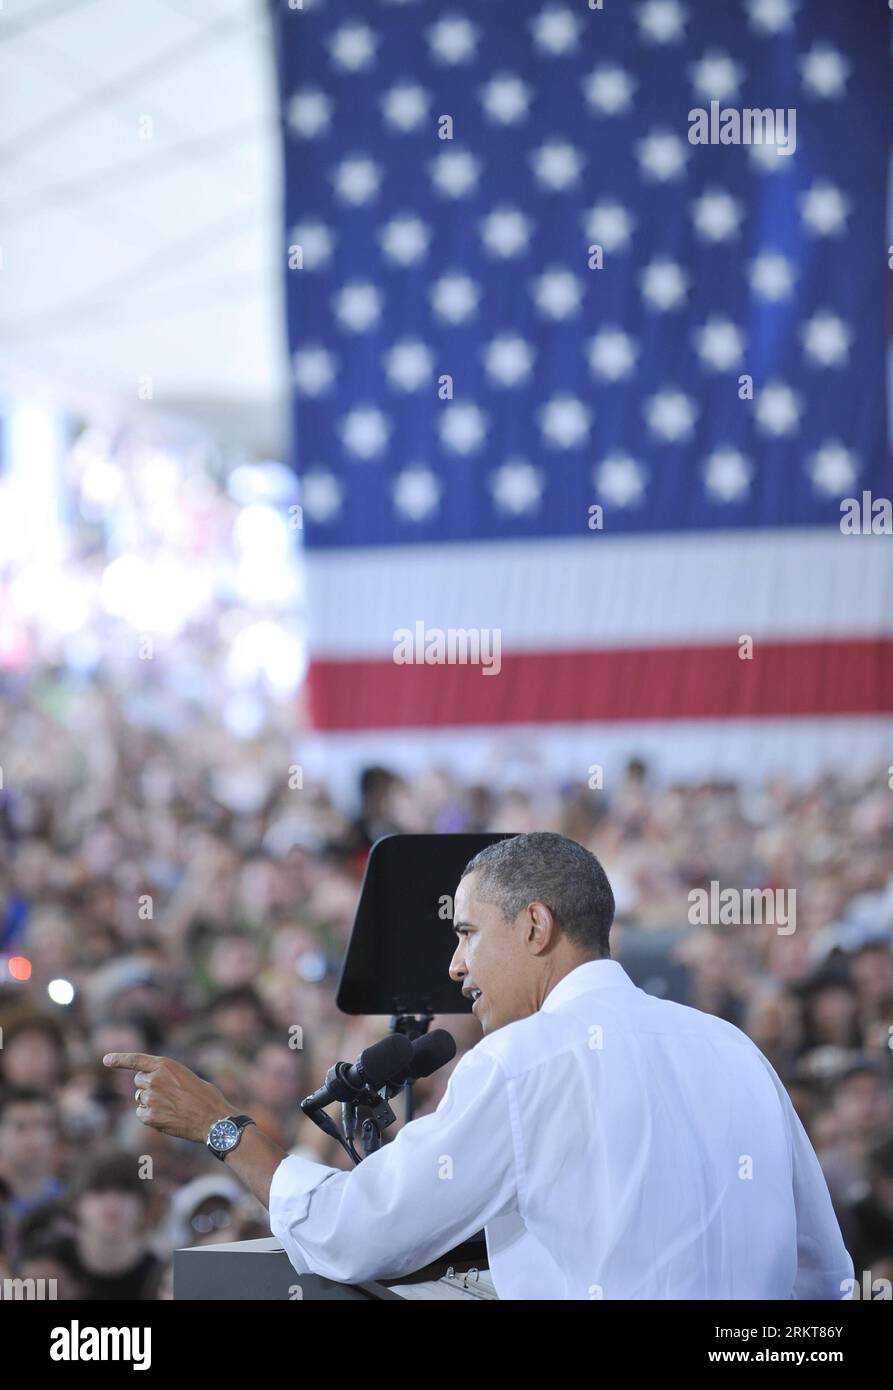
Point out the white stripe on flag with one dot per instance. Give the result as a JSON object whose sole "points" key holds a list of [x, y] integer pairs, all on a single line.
{"points": [[597, 592]]}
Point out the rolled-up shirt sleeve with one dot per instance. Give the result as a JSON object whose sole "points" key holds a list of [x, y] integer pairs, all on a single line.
{"points": [[824, 1265], [441, 1179]]}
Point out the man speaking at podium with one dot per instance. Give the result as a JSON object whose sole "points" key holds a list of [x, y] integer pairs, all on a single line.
{"points": [[613, 1145]]}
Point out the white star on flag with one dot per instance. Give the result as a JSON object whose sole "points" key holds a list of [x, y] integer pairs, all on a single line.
{"points": [[833, 468], [564, 421], [556, 165], [556, 31], [308, 113], [409, 364], [608, 225], [356, 181], [619, 480], [353, 47], [321, 495], [664, 284], [508, 360], [358, 306], [825, 71], [716, 215], [826, 339], [771, 16], [506, 232], [609, 89], [716, 76], [719, 343], [313, 369], [825, 209], [506, 99], [558, 293], [453, 39], [612, 354], [727, 474], [661, 21], [455, 173], [662, 156], [404, 240], [516, 487], [416, 493], [315, 241], [365, 431], [671, 415], [405, 107], [778, 409], [772, 276], [454, 298], [770, 160], [462, 427]]}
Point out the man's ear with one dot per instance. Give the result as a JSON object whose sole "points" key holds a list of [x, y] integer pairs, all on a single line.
{"points": [[541, 927]]}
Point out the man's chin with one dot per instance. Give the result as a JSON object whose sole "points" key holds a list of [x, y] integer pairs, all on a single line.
{"points": [[489, 1021]]}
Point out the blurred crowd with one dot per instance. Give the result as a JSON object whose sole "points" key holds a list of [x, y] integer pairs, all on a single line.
{"points": [[168, 887]]}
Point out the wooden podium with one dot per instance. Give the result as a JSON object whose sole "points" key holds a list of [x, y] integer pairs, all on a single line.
{"points": [[260, 1270]]}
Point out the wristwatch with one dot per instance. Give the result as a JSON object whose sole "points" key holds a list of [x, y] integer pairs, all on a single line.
{"points": [[224, 1135]]}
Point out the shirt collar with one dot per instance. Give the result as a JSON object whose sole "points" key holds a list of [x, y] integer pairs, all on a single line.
{"points": [[592, 974]]}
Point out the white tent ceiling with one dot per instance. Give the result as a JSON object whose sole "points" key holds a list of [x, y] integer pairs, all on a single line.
{"points": [[124, 256]]}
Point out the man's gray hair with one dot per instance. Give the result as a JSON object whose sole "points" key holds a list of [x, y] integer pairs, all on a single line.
{"points": [[551, 869]]}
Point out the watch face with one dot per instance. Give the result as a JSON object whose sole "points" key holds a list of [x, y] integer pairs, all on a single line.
{"points": [[224, 1135]]}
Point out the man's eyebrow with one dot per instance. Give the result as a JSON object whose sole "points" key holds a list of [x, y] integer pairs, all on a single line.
{"points": [[460, 923]]}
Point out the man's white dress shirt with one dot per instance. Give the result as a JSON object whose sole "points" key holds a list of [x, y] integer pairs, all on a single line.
{"points": [[613, 1145]]}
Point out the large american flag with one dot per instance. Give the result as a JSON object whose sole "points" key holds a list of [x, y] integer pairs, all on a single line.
{"points": [[471, 377]]}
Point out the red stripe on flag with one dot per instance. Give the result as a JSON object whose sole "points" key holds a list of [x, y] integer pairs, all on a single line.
{"points": [[709, 682]]}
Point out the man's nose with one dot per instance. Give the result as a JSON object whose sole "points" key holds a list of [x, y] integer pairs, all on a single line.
{"points": [[457, 965]]}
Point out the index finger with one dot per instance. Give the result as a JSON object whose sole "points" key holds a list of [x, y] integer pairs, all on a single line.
{"points": [[131, 1061]]}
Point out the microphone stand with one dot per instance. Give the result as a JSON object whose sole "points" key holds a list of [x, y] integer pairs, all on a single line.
{"points": [[382, 1115], [412, 1026]]}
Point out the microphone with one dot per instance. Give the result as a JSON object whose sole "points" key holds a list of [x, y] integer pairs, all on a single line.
{"points": [[373, 1068], [430, 1052]]}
